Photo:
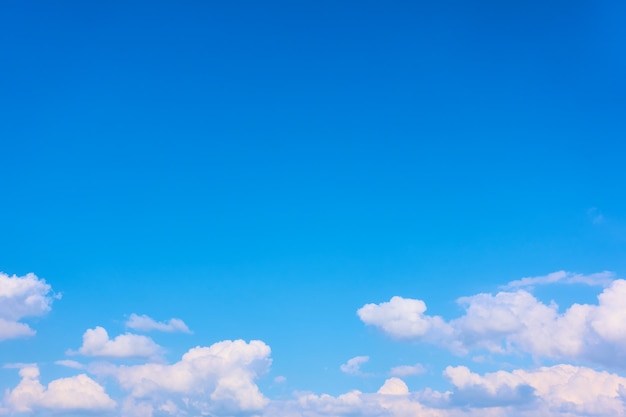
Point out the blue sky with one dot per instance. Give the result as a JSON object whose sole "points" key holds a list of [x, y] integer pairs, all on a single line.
{"points": [[263, 171]]}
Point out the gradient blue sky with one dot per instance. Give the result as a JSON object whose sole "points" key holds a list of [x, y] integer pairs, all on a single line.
{"points": [[262, 170]]}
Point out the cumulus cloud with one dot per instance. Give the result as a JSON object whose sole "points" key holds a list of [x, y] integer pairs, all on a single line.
{"points": [[214, 380], [353, 366], [559, 391], [75, 394], [96, 342], [393, 399], [407, 370], [515, 321], [402, 318], [145, 323], [21, 297]]}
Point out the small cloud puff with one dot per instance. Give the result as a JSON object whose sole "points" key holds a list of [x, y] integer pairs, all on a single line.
{"points": [[96, 342], [353, 366], [145, 323]]}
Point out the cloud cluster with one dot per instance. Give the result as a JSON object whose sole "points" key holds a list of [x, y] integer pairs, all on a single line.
{"points": [[515, 321], [221, 380], [75, 394], [21, 297], [214, 380], [559, 391], [145, 323]]}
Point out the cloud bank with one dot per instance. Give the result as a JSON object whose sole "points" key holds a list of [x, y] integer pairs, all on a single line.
{"points": [[515, 322]]}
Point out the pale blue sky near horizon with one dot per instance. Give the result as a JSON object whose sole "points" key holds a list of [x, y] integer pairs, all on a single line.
{"points": [[263, 170]]}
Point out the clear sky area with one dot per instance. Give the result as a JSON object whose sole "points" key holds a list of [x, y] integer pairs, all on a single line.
{"points": [[313, 208]]}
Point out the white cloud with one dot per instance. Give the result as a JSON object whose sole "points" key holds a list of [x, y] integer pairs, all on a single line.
{"points": [[215, 380], [145, 323], [74, 394], [558, 391], [604, 279], [407, 370], [21, 297], [402, 318], [96, 342], [353, 366], [515, 322], [394, 386]]}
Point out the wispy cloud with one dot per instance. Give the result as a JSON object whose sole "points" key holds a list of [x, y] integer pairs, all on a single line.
{"points": [[562, 277], [145, 323], [353, 366], [407, 370]]}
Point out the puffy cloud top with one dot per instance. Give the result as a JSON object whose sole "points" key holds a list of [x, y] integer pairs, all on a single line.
{"points": [[21, 297], [401, 318], [96, 342], [78, 393], [515, 321], [219, 379]]}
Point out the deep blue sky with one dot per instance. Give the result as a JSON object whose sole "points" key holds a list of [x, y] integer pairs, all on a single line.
{"points": [[263, 169]]}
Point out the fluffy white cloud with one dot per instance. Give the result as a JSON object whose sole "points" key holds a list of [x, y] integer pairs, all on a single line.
{"points": [[145, 323], [353, 366], [96, 342], [559, 391], [21, 297], [215, 380], [556, 390], [74, 394], [393, 399], [515, 322], [402, 318]]}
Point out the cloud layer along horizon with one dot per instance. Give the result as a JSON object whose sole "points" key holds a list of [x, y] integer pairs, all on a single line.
{"points": [[582, 345]]}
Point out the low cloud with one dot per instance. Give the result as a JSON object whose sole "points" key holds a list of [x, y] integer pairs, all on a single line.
{"points": [[558, 391], [145, 323], [515, 321], [75, 394], [96, 343], [21, 297], [403, 318], [217, 380]]}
